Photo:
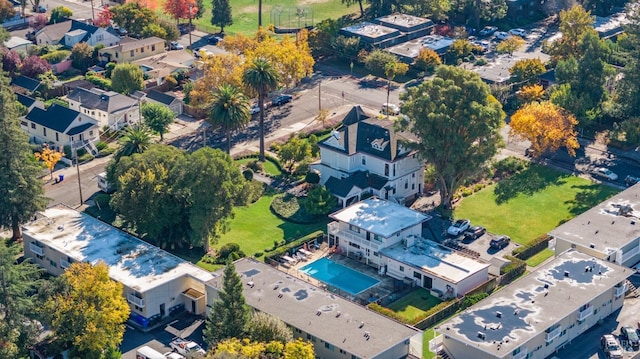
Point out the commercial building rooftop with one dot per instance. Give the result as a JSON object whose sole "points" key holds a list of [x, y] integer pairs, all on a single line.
{"points": [[320, 313], [608, 226], [131, 261], [440, 261], [405, 23], [531, 305], [371, 31], [409, 50], [381, 217]]}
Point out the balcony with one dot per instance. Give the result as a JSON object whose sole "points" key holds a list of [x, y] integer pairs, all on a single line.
{"points": [[36, 249], [64, 264], [523, 354], [551, 335], [133, 299], [583, 314], [620, 290]]}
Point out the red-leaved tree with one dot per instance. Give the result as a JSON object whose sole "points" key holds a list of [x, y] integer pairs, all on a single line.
{"points": [[180, 9], [11, 61], [104, 18], [33, 66], [38, 21]]}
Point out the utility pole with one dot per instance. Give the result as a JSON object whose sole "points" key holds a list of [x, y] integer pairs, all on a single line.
{"points": [[319, 94], [75, 154], [93, 16], [190, 17]]}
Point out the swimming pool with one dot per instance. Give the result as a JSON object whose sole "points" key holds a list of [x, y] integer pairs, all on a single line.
{"points": [[339, 276]]}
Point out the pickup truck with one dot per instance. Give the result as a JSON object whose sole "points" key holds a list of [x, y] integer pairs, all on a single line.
{"points": [[186, 347]]}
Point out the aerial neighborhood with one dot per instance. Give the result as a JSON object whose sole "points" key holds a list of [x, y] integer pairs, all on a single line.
{"points": [[319, 179]]}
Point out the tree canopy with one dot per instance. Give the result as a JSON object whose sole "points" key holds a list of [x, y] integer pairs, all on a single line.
{"points": [[157, 117], [527, 71], [127, 78], [230, 111], [263, 327], [133, 16], [457, 122], [247, 349], [221, 14]]}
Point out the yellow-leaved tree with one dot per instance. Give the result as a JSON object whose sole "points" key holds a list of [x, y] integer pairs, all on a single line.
{"points": [[86, 309], [218, 70], [547, 126], [297, 349], [531, 93], [510, 45], [50, 157]]}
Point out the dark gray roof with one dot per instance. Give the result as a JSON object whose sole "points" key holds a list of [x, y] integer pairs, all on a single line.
{"points": [[360, 179], [107, 101], [26, 83], [79, 129], [56, 117], [161, 97], [79, 83], [26, 101]]}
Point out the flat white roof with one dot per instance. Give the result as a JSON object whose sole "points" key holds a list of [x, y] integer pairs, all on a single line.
{"points": [[436, 259], [379, 216], [132, 262], [368, 29]]}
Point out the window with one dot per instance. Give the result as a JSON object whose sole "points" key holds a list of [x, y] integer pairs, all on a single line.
{"points": [[364, 160], [153, 47], [406, 185], [131, 53], [117, 55], [386, 169], [33, 125], [375, 254], [328, 346], [417, 275], [355, 245], [353, 228], [44, 131], [401, 269], [23, 123], [342, 352], [413, 186], [57, 139], [394, 169], [413, 175], [142, 50], [53, 263], [91, 133], [377, 238]]}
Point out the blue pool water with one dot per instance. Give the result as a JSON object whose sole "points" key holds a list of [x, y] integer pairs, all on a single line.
{"points": [[339, 276]]}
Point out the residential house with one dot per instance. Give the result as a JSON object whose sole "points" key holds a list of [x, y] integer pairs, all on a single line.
{"points": [[108, 108], [388, 236], [366, 155], [19, 44], [130, 49], [69, 33], [25, 85], [175, 104], [29, 102], [60, 126], [155, 283], [609, 231], [157, 67], [538, 314], [336, 327]]}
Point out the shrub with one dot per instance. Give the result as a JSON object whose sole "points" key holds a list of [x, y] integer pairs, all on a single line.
{"points": [[67, 151], [386, 312], [85, 157], [510, 166], [312, 178], [481, 62], [255, 166], [290, 208], [101, 145], [247, 174], [258, 254], [56, 56], [106, 152], [171, 82], [102, 200], [470, 300], [229, 251], [532, 248], [252, 192]]}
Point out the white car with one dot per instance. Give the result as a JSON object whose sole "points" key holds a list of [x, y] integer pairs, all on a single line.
{"points": [[488, 30], [186, 347], [392, 109], [174, 45], [501, 35], [199, 53], [172, 355], [604, 173], [255, 109], [458, 227], [518, 32]]}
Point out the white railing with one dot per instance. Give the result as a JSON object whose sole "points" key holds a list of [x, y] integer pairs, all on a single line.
{"points": [[353, 238], [620, 290], [36, 249], [132, 298], [553, 334], [64, 264], [523, 354], [582, 315]]}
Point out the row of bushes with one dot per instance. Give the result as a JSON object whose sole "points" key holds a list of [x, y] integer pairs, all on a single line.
{"points": [[512, 270], [532, 248], [504, 168], [285, 246]]}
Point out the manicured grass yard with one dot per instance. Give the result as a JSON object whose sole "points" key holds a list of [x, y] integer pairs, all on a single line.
{"points": [[268, 165], [414, 304], [255, 228], [532, 203], [540, 257]]}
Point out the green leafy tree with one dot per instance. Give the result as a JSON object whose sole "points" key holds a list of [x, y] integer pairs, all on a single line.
{"points": [[171, 30], [136, 139], [377, 61], [21, 192], [457, 122], [294, 151], [86, 309], [229, 111], [157, 117], [436, 10], [320, 201], [427, 60], [346, 47], [574, 24], [59, 14], [221, 14], [133, 16], [230, 313], [18, 283], [527, 71], [459, 49], [127, 78], [82, 56], [154, 30], [262, 78], [265, 327], [510, 45]]}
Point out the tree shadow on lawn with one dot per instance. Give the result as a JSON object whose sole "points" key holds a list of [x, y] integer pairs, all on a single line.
{"points": [[589, 195], [528, 182]]}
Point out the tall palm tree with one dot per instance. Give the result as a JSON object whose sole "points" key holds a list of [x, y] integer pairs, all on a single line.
{"points": [[136, 139], [230, 110], [262, 78]]}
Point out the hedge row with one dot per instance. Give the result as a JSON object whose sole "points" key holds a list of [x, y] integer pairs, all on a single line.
{"points": [[281, 249], [532, 248], [512, 270]]}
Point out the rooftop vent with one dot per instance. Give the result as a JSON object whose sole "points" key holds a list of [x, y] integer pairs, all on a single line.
{"points": [[499, 314], [516, 312], [250, 284], [592, 245], [566, 274], [586, 269], [481, 335], [275, 287], [546, 286], [338, 314], [361, 325], [280, 295], [318, 313]]}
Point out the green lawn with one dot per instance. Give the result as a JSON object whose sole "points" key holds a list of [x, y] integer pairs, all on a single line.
{"points": [[255, 228], [540, 257], [532, 203], [414, 304], [268, 165], [245, 14]]}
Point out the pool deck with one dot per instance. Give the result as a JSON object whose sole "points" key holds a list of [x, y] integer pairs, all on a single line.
{"points": [[382, 289]]}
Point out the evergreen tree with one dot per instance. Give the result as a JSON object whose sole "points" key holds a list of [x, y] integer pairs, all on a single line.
{"points": [[230, 314], [21, 192], [221, 14]]}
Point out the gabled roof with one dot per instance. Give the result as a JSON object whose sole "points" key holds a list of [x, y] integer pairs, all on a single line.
{"points": [[79, 129], [107, 101], [360, 179], [56, 117], [160, 97], [26, 83], [25, 101], [132, 44], [57, 31]]}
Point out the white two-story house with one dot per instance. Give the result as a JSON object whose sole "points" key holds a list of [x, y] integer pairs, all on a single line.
{"points": [[69, 33], [60, 126], [108, 108], [366, 155]]}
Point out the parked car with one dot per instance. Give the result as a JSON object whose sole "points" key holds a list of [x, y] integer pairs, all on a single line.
{"points": [[391, 108], [610, 347], [488, 30], [631, 180], [186, 347], [474, 233], [185, 28], [518, 32], [121, 31], [629, 334], [214, 40], [501, 35], [604, 173], [198, 53], [174, 45], [458, 227], [255, 109], [483, 45], [41, 9], [500, 242], [172, 355], [281, 100]]}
